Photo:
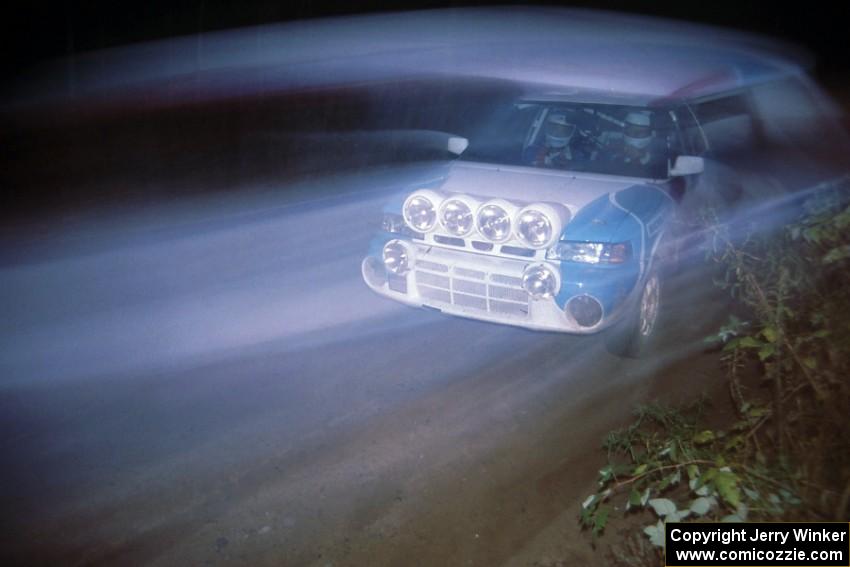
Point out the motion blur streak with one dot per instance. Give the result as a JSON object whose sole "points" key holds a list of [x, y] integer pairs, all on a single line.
{"points": [[525, 45], [209, 286]]}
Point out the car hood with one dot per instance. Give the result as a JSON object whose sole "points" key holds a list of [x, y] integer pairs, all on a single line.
{"points": [[526, 184]]}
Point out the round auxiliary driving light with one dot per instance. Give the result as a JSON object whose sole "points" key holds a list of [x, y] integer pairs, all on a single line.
{"points": [[540, 281], [585, 310], [456, 217], [494, 223], [419, 213], [396, 257], [534, 228]]}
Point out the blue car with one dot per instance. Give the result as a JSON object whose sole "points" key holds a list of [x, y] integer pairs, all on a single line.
{"points": [[559, 213]]}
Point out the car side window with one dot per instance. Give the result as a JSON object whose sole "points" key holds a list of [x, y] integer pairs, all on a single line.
{"points": [[791, 117], [665, 124], [693, 141], [726, 124]]}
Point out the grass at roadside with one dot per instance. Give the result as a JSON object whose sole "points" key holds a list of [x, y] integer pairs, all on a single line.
{"points": [[784, 450]]}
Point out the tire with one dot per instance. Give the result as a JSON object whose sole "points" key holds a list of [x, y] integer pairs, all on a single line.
{"points": [[634, 335]]}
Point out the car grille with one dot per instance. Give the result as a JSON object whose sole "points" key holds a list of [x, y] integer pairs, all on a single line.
{"points": [[471, 288]]}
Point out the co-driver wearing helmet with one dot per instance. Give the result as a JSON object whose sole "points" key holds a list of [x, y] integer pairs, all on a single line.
{"points": [[637, 141]]}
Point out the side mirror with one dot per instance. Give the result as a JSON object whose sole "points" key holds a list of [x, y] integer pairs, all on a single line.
{"points": [[687, 165], [457, 145]]}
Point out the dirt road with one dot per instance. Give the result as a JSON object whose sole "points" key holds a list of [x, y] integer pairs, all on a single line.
{"points": [[214, 385]]}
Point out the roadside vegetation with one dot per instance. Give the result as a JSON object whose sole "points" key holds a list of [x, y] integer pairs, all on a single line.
{"points": [[783, 451]]}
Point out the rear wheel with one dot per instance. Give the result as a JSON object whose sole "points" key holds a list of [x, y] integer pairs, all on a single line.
{"points": [[632, 336]]}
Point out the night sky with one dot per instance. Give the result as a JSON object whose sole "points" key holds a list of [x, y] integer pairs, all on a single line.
{"points": [[36, 31]]}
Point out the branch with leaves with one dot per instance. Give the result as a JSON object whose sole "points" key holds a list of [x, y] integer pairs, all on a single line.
{"points": [[787, 454]]}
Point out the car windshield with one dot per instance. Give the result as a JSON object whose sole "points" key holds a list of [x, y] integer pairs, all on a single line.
{"points": [[597, 138]]}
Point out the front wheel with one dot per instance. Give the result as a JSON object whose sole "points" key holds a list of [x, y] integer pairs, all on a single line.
{"points": [[632, 336]]}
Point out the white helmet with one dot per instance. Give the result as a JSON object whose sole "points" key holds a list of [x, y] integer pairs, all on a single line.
{"points": [[637, 131], [559, 131]]}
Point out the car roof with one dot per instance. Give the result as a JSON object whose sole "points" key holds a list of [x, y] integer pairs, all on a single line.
{"points": [[604, 57], [651, 73]]}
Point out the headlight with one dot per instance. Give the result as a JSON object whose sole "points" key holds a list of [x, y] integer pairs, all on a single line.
{"points": [[494, 222], [420, 213], [456, 217], [396, 257], [540, 281], [591, 252], [393, 223], [534, 228]]}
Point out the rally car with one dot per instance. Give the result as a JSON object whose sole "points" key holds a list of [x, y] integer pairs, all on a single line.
{"points": [[558, 214]]}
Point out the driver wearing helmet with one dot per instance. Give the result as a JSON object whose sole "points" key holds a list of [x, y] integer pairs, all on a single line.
{"points": [[561, 147]]}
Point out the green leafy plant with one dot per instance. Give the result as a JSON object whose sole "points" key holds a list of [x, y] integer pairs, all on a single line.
{"points": [[786, 454], [665, 462]]}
